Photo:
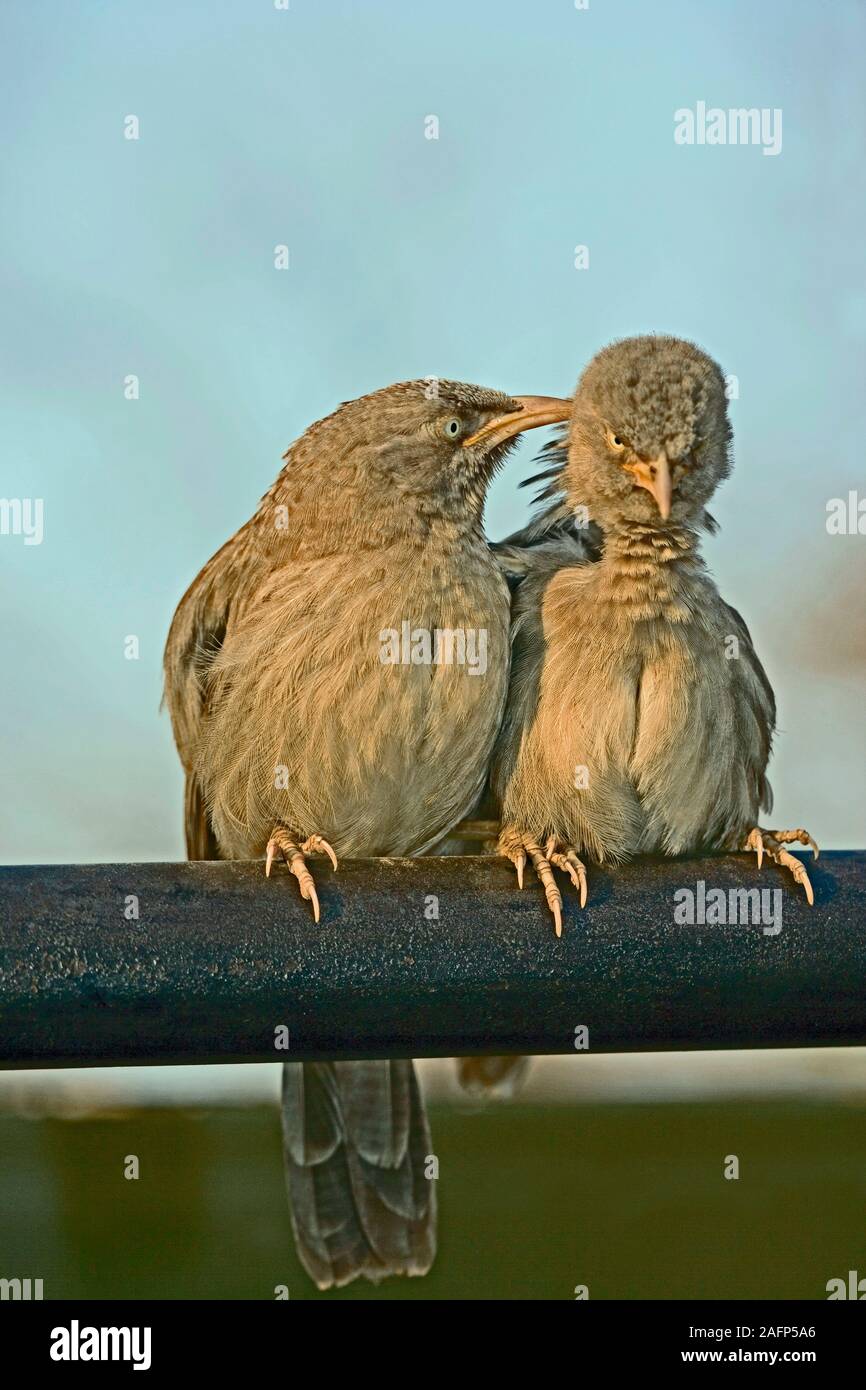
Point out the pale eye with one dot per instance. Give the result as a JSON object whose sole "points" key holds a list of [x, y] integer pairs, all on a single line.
{"points": [[452, 429], [615, 440]]}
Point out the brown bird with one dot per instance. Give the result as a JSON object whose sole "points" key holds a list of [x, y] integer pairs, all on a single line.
{"points": [[639, 717], [336, 676]]}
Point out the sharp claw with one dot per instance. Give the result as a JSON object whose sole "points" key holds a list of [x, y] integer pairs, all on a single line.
{"points": [[574, 874], [571, 865], [755, 843], [774, 848], [519, 847], [804, 838], [294, 855], [557, 918], [552, 894], [800, 876], [317, 844]]}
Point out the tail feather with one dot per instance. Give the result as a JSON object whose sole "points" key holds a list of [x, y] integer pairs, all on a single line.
{"points": [[329, 1240], [356, 1143], [311, 1113], [375, 1103]]}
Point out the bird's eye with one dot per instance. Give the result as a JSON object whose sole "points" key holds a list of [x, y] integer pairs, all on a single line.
{"points": [[615, 441], [452, 429]]}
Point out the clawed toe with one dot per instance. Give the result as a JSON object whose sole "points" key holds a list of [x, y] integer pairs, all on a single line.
{"points": [[568, 861], [772, 842], [316, 844], [282, 842], [517, 845]]}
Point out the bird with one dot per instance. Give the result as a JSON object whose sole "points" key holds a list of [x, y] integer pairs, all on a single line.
{"points": [[319, 711], [639, 718]]}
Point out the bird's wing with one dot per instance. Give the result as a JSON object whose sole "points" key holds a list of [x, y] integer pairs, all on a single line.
{"points": [[561, 547], [761, 703], [195, 637]]}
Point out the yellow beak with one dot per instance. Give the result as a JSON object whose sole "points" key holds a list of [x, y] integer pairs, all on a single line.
{"points": [[534, 411], [655, 476]]}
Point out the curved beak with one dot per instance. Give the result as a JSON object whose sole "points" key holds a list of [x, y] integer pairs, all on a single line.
{"points": [[534, 411], [655, 476]]}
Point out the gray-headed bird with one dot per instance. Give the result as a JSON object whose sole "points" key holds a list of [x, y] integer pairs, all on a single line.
{"points": [[336, 676], [639, 718]]}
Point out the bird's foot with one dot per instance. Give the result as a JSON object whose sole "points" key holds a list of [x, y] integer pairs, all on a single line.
{"points": [[282, 842], [565, 858], [772, 843], [516, 845]]}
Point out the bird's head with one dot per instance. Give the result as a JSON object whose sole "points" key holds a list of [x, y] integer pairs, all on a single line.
{"points": [[649, 436], [438, 441]]}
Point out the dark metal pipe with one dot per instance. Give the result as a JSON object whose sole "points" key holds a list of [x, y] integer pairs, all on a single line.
{"points": [[423, 957]]}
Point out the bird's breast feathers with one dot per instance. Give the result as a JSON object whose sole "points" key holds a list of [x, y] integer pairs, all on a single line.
{"points": [[656, 733], [364, 712]]}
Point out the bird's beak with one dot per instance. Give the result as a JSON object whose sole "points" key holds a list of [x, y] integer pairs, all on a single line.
{"points": [[534, 411], [655, 476]]}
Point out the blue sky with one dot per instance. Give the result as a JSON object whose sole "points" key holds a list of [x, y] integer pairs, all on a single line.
{"points": [[408, 257]]}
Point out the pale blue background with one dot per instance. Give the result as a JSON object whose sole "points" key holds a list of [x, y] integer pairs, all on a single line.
{"points": [[408, 257]]}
